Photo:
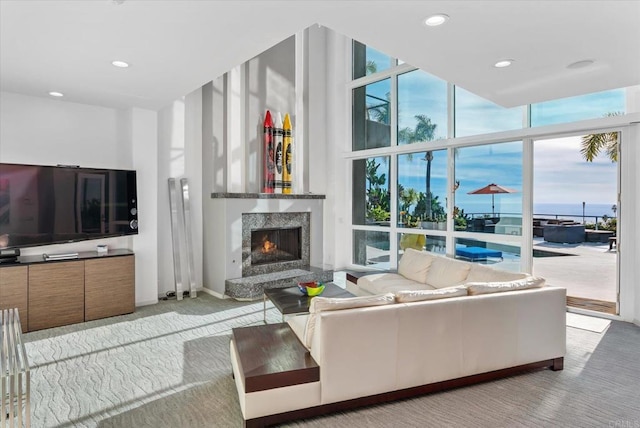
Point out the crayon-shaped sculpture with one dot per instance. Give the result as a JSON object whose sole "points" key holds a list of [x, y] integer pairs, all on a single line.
{"points": [[287, 174], [277, 142], [269, 168]]}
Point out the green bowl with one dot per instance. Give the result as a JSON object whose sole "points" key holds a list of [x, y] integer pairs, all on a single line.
{"points": [[315, 291]]}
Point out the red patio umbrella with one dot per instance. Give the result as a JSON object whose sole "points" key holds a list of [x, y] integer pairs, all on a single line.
{"points": [[492, 189]]}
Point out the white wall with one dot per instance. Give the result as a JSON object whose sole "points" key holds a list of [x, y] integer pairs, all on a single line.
{"points": [[179, 156], [270, 85], [144, 143], [45, 131], [50, 131]]}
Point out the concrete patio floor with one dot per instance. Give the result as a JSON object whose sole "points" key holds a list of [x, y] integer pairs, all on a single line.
{"points": [[590, 272], [587, 270]]}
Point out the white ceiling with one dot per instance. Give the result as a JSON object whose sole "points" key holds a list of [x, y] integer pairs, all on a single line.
{"points": [[177, 46]]}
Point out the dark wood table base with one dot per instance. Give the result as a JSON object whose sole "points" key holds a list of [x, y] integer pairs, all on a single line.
{"points": [[553, 364]]}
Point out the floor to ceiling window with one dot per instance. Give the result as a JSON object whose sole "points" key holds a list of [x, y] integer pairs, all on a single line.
{"points": [[418, 184]]}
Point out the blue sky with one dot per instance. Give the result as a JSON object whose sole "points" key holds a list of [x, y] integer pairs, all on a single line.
{"points": [[561, 175]]}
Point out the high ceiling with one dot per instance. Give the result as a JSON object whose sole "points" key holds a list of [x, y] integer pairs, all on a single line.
{"points": [[176, 46]]}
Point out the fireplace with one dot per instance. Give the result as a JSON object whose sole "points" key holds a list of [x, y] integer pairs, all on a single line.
{"points": [[275, 245], [275, 242]]}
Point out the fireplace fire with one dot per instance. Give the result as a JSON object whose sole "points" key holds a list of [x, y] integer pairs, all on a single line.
{"points": [[275, 245]]}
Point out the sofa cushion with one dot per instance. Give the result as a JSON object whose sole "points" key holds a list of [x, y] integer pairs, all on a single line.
{"points": [[445, 272], [381, 283], [419, 295], [480, 273], [298, 324], [475, 288], [414, 265], [320, 304]]}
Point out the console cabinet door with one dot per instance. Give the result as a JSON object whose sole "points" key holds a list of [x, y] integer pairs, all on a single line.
{"points": [[109, 287], [56, 294], [13, 292]]}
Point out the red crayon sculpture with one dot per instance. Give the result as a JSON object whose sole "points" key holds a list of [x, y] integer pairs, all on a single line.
{"points": [[269, 160]]}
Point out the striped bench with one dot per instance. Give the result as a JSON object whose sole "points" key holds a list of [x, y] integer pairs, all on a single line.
{"points": [[14, 372]]}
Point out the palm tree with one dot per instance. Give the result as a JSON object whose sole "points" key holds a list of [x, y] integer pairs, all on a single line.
{"points": [[407, 196], [371, 67], [424, 131], [593, 144], [380, 112], [373, 178]]}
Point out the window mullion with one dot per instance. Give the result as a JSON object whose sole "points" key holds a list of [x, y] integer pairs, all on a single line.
{"points": [[393, 110]]}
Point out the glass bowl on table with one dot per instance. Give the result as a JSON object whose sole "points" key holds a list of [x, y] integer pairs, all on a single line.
{"points": [[312, 288]]}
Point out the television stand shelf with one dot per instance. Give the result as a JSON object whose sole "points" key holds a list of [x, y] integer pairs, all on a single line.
{"points": [[60, 292]]}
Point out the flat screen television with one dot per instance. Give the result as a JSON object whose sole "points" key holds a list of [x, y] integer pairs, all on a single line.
{"points": [[42, 205]]}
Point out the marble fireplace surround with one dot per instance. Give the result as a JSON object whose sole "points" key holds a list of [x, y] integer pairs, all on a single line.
{"points": [[269, 220], [223, 246]]}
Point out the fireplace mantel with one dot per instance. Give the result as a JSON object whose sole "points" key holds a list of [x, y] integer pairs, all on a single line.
{"points": [[224, 195]]}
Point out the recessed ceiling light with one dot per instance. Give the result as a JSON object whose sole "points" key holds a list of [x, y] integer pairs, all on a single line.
{"points": [[437, 19], [56, 94], [581, 64], [120, 64], [503, 63]]}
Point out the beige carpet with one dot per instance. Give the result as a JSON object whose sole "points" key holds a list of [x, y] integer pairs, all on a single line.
{"points": [[167, 365]]}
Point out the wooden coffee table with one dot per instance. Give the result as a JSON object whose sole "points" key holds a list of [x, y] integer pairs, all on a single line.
{"points": [[291, 301]]}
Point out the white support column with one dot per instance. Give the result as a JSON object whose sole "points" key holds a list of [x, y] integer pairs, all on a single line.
{"points": [[526, 249], [628, 246], [451, 200], [301, 131], [235, 131]]}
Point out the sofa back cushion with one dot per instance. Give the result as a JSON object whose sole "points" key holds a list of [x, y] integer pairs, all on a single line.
{"points": [[480, 273], [475, 288], [445, 272], [320, 304], [414, 265], [407, 296]]}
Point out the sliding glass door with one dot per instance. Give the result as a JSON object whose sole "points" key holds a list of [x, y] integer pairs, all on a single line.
{"points": [[575, 218]]}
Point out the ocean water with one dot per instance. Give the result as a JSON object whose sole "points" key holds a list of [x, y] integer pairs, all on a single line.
{"points": [[568, 210]]}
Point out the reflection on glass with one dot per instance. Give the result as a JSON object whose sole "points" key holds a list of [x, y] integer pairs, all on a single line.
{"points": [[372, 116], [498, 255], [371, 248], [434, 244], [475, 115], [583, 107], [422, 190], [371, 200], [488, 187], [422, 107], [367, 60]]}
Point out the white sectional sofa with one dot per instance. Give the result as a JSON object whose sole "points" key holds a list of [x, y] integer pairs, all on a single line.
{"points": [[421, 270], [438, 323]]}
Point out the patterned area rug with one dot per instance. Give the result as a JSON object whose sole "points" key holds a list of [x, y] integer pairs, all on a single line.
{"points": [[167, 365]]}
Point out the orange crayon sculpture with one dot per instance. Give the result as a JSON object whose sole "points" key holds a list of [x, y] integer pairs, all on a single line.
{"points": [[287, 172], [269, 159], [277, 142]]}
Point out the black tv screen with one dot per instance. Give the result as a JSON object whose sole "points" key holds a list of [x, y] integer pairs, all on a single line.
{"points": [[42, 205]]}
